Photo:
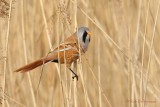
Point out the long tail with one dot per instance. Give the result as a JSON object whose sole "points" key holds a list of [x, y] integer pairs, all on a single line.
{"points": [[32, 65]]}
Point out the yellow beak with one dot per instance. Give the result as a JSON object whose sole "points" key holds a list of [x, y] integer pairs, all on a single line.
{"points": [[89, 33]]}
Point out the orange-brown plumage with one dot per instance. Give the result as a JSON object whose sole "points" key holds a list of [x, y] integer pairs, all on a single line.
{"points": [[67, 52]]}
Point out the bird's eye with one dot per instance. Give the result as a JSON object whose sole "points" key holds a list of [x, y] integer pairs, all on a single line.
{"points": [[84, 36]]}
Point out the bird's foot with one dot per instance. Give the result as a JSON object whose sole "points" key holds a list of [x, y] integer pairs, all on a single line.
{"points": [[75, 76]]}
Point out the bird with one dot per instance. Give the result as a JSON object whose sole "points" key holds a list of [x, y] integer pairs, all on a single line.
{"points": [[66, 53]]}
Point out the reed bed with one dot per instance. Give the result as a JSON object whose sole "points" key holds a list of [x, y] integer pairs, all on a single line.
{"points": [[120, 69]]}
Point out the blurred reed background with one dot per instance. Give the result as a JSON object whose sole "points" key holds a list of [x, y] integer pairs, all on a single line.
{"points": [[120, 69]]}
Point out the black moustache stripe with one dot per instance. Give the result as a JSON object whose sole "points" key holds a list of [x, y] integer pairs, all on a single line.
{"points": [[84, 36]]}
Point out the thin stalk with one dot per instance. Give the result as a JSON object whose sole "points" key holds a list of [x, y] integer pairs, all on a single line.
{"points": [[150, 53], [25, 55], [6, 54], [143, 49]]}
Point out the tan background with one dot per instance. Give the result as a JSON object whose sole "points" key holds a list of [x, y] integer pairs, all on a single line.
{"points": [[120, 69]]}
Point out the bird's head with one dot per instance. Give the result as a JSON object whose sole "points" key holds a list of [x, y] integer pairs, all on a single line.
{"points": [[84, 36]]}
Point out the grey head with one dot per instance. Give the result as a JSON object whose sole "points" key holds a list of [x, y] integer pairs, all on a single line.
{"points": [[84, 36]]}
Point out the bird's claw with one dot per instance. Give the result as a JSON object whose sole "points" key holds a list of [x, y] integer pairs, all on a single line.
{"points": [[75, 76]]}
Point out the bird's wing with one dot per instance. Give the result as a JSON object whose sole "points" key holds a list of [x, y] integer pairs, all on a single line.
{"points": [[71, 40], [69, 43]]}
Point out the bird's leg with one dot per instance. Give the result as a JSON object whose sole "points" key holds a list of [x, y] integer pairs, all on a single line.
{"points": [[75, 75]]}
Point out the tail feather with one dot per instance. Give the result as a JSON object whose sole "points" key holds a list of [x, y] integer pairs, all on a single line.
{"points": [[32, 65]]}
